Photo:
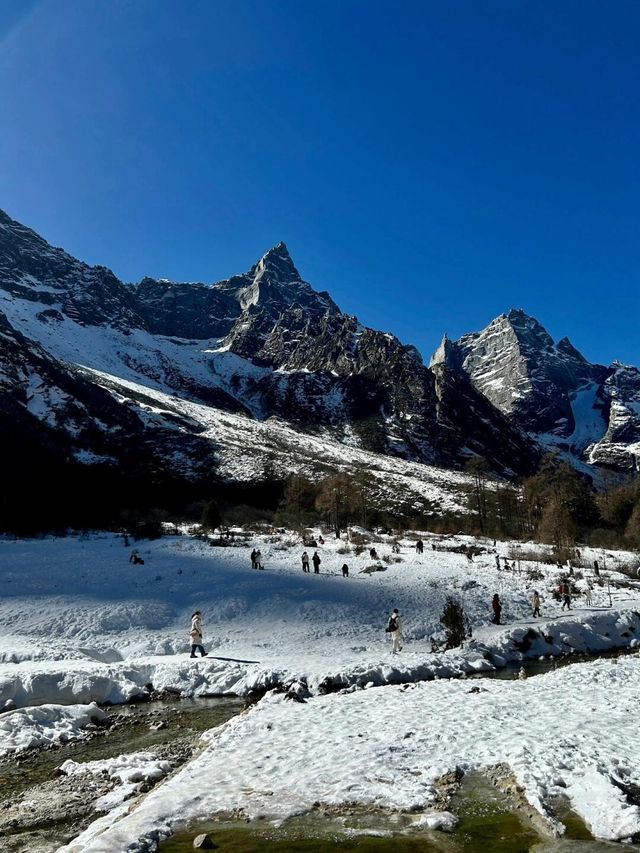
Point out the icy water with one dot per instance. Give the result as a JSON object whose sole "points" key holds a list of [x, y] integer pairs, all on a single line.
{"points": [[488, 823], [535, 666]]}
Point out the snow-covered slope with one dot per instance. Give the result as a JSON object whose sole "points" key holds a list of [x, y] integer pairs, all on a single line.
{"points": [[260, 344]]}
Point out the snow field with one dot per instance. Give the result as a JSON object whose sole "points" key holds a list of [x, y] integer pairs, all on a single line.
{"points": [[79, 623]]}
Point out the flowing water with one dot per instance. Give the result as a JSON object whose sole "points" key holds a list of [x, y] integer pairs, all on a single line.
{"points": [[488, 823]]}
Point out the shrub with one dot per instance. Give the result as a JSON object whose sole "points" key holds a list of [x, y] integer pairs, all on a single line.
{"points": [[455, 622]]}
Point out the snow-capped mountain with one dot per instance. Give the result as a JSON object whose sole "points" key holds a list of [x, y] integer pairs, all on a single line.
{"points": [[264, 367], [550, 390]]}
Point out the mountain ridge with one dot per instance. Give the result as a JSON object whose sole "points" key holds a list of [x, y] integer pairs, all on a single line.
{"points": [[264, 343]]}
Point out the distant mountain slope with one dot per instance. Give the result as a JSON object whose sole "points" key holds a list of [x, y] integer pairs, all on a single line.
{"points": [[265, 343]]}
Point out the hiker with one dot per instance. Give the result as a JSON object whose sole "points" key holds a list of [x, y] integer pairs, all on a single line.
{"points": [[596, 570], [253, 559], [320, 539], [373, 554], [497, 609], [419, 546], [394, 629], [196, 635], [497, 562], [565, 592], [535, 603], [316, 563], [345, 571], [587, 594], [395, 548], [305, 562], [259, 560]]}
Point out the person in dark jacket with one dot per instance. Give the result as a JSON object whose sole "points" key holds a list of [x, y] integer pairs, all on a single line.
{"points": [[316, 562], [497, 609], [345, 571]]}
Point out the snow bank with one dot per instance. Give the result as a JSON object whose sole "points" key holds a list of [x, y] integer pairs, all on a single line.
{"points": [[26, 728], [130, 771]]}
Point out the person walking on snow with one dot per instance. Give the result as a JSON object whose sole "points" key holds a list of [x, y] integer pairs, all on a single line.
{"points": [[345, 571], [535, 603], [253, 559], [196, 635], [316, 562], [305, 562], [394, 629], [566, 595], [587, 594], [419, 546], [497, 609], [259, 560]]}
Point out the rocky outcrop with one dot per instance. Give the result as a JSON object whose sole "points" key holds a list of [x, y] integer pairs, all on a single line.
{"points": [[619, 448]]}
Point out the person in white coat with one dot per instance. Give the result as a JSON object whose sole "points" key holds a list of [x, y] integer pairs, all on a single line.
{"points": [[196, 635], [394, 629]]}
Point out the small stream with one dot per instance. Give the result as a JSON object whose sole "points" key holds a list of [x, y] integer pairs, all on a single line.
{"points": [[539, 666], [41, 811], [488, 823]]}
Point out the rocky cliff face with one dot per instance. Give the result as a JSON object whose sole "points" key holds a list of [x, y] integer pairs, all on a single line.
{"points": [[31, 269], [619, 448], [549, 389]]}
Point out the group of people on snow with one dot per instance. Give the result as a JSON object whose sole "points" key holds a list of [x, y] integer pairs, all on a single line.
{"points": [[315, 560], [394, 626]]}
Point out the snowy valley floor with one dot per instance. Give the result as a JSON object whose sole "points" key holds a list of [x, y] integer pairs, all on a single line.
{"points": [[80, 624]]}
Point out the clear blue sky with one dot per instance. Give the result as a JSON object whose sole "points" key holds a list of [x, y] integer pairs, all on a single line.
{"points": [[431, 164]]}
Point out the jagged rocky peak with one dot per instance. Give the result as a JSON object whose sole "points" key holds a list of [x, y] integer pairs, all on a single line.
{"points": [[274, 284], [277, 264], [515, 363]]}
